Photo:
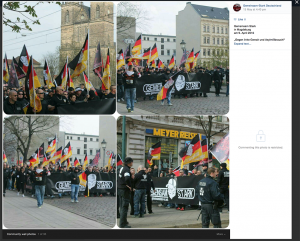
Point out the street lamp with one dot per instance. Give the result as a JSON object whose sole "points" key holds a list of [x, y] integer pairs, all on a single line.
{"points": [[182, 45], [103, 145]]}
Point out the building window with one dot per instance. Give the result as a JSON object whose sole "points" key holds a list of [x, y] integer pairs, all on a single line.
{"points": [[91, 139], [78, 138], [162, 46], [85, 146], [67, 137], [97, 11], [226, 51], [208, 52], [79, 160], [207, 29], [71, 137], [222, 41], [204, 28], [218, 52], [204, 40], [168, 61], [85, 152], [67, 16], [208, 40], [204, 52], [71, 159], [214, 41], [97, 139], [219, 118], [213, 29], [147, 38], [218, 41], [85, 139], [162, 52], [91, 151], [144, 38], [218, 30], [213, 52], [222, 31], [174, 52], [162, 40], [174, 40], [168, 40], [155, 39], [226, 30], [168, 51], [78, 151]]}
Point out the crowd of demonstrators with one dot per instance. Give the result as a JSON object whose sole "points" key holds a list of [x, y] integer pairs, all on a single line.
{"points": [[16, 101], [127, 78], [19, 175], [134, 185]]}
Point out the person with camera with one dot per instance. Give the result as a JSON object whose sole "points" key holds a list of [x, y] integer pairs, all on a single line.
{"points": [[210, 197], [124, 189]]}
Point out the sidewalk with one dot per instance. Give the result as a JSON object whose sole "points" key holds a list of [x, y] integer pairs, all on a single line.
{"points": [[121, 108], [172, 218], [22, 212]]}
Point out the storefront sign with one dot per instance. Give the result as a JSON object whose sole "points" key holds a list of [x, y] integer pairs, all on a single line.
{"points": [[173, 133]]}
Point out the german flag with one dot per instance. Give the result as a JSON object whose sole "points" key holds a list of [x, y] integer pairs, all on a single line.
{"points": [[195, 151], [68, 163], [87, 84], [190, 61], [195, 59], [67, 153], [24, 60], [176, 171], [34, 159], [19, 70], [160, 64], [83, 179], [172, 62], [109, 164], [47, 76], [76, 162], [56, 156], [70, 82], [79, 63], [52, 145], [146, 54], [153, 65], [85, 162], [61, 79], [137, 46], [154, 53], [119, 161], [167, 87], [13, 81], [120, 59], [154, 153], [5, 69], [4, 157], [45, 161], [106, 75], [31, 83]]}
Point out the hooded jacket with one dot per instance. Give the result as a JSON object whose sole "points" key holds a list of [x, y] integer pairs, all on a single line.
{"points": [[40, 176], [129, 79], [76, 176], [140, 180]]}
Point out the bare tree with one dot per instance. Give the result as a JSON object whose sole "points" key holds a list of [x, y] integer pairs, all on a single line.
{"points": [[131, 15], [53, 61], [20, 130]]}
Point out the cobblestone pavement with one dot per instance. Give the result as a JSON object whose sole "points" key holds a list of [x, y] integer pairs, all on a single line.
{"points": [[210, 105], [99, 209], [22, 213], [172, 218]]}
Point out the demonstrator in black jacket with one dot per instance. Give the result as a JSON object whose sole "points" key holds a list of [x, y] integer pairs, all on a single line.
{"points": [[140, 185], [74, 185]]}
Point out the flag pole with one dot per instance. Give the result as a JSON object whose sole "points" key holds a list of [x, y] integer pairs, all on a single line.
{"points": [[32, 79], [67, 73], [88, 57]]}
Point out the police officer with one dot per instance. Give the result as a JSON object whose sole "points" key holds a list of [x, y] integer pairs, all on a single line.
{"points": [[150, 185], [217, 80], [204, 168], [209, 196], [124, 188], [223, 181]]}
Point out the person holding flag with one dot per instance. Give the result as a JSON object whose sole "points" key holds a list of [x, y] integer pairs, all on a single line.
{"points": [[40, 182]]}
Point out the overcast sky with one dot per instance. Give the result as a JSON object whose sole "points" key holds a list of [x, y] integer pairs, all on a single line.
{"points": [[88, 124], [38, 43], [163, 15]]}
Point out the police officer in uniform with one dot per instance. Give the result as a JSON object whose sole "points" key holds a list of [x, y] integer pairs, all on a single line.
{"points": [[124, 188], [210, 197], [223, 181]]}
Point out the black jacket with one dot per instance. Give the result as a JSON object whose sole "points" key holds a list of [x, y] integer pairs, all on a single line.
{"points": [[216, 76], [15, 108], [40, 177], [140, 180], [155, 173], [164, 78], [227, 75], [76, 176], [44, 107], [119, 79], [129, 79], [172, 175], [6, 173], [82, 96], [124, 179], [149, 182], [21, 177], [208, 191], [223, 179], [58, 100]]}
